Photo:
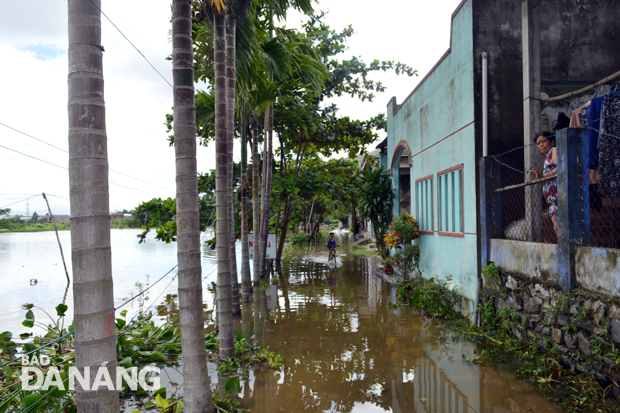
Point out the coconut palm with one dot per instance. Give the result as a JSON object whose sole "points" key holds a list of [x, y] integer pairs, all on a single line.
{"points": [[93, 287], [224, 308], [197, 390], [231, 78]]}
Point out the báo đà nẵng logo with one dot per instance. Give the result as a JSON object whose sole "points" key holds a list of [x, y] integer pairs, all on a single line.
{"points": [[99, 378]]}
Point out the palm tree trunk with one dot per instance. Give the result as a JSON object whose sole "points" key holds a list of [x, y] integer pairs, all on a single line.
{"points": [[285, 220], [266, 193], [255, 205], [231, 78], [246, 281], [224, 309], [197, 389], [93, 287]]}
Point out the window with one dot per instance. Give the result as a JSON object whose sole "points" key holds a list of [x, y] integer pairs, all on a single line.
{"points": [[424, 204], [450, 201]]}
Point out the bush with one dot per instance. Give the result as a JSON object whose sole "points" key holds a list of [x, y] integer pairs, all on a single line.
{"points": [[433, 296], [298, 240]]}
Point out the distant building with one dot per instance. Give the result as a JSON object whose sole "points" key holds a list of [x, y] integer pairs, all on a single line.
{"points": [[57, 218], [117, 217]]}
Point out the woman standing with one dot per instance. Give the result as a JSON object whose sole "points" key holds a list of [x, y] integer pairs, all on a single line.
{"points": [[546, 145]]}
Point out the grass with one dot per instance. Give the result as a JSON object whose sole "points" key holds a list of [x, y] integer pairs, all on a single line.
{"points": [[48, 226], [362, 251]]}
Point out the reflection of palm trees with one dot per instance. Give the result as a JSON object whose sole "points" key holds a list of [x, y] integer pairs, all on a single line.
{"points": [[169, 308]]}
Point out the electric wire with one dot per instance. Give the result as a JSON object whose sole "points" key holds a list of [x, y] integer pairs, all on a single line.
{"points": [[138, 50], [21, 200], [115, 309], [65, 151], [66, 169]]}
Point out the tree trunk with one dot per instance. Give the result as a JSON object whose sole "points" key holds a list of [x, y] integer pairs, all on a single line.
{"points": [[93, 287], [285, 219], [224, 309], [255, 205], [266, 193], [246, 280], [197, 389], [231, 78]]}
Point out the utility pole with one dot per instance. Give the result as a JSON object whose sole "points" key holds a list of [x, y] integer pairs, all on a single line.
{"points": [[27, 208], [530, 24]]}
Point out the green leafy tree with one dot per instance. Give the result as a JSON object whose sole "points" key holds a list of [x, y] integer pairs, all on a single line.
{"points": [[376, 200]]}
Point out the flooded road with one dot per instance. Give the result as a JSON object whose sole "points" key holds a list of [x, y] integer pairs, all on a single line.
{"points": [[346, 349]]}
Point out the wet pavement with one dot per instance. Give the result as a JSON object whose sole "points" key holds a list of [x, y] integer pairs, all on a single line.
{"points": [[346, 348]]}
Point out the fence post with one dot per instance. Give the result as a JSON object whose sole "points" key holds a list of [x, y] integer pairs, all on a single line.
{"points": [[490, 206], [572, 153]]}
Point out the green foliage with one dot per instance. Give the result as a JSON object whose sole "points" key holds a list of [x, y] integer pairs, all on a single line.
{"points": [[491, 271], [247, 354], [435, 297], [298, 240], [376, 201]]}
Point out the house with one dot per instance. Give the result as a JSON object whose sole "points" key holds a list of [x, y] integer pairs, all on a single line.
{"points": [[440, 136]]}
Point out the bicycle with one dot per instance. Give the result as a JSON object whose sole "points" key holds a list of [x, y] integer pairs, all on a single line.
{"points": [[332, 254]]}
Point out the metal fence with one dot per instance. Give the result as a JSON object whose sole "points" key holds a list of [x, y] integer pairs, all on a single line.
{"points": [[599, 207], [520, 211]]}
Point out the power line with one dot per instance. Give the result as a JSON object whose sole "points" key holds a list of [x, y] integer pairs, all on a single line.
{"points": [[63, 150], [62, 167], [21, 200], [138, 50], [33, 157], [32, 137], [137, 179], [56, 196]]}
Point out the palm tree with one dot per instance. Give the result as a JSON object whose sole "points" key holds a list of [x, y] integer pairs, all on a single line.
{"points": [[224, 308], [375, 199], [197, 390], [93, 287], [265, 201], [255, 203], [246, 281], [231, 78]]}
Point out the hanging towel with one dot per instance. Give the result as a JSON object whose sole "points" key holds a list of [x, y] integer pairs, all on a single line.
{"points": [[594, 117], [609, 160]]}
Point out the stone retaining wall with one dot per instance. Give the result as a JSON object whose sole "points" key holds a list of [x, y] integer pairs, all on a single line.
{"points": [[582, 326]]}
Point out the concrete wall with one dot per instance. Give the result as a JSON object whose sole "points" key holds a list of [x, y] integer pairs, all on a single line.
{"points": [[531, 259], [436, 123], [598, 269], [579, 43]]}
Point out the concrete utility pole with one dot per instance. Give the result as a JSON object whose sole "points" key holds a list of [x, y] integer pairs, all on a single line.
{"points": [[530, 23]]}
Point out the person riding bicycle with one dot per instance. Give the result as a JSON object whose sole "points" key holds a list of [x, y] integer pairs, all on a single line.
{"points": [[331, 245]]}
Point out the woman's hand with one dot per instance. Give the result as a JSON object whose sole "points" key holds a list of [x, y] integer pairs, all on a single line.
{"points": [[536, 173]]}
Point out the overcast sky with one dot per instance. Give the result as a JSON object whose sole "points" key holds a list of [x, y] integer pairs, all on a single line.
{"points": [[33, 88]]}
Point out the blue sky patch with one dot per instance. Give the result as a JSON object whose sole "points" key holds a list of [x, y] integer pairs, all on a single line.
{"points": [[43, 52]]}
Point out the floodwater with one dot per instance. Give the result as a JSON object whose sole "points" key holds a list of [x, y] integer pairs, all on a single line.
{"points": [[31, 271], [345, 347]]}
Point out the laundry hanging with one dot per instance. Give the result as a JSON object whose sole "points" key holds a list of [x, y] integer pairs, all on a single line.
{"points": [[594, 117], [609, 147], [576, 118]]}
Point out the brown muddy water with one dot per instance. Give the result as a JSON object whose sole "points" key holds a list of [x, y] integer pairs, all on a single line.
{"points": [[344, 347]]}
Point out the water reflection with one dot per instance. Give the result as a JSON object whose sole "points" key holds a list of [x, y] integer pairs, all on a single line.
{"points": [[346, 349]]}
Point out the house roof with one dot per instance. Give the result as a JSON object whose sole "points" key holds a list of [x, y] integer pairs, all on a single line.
{"points": [[383, 145]]}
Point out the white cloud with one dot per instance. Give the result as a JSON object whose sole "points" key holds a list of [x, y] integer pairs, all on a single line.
{"points": [[33, 93]]}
